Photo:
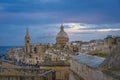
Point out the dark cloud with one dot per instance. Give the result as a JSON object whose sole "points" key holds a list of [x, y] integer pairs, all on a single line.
{"points": [[19, 13], [85, 11]]}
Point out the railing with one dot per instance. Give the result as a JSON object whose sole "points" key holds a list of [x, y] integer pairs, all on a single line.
{"points": [[27, 74]]}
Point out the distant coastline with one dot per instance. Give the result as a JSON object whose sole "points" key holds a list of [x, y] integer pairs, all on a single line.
{"points": [[3, 49]]}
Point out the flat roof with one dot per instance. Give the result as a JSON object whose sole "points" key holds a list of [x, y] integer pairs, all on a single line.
{"points": [[92, 61]]}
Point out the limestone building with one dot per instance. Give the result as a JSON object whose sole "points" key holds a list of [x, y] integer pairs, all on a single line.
{"points": [[62, 37], [32, 52], [90, 67], [110, 42]]}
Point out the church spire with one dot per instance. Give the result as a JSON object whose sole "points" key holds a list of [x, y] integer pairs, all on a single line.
{"points": [[27, 32], [27, 37]]}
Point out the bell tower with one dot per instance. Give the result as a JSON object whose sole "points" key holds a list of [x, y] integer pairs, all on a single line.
{"points": [[27, 42]]}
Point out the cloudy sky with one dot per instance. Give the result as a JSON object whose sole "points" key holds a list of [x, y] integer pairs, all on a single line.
{"points": [[83, 20]]}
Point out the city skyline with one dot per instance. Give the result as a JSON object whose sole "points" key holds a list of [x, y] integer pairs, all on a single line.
{"points": [[83, 20]]}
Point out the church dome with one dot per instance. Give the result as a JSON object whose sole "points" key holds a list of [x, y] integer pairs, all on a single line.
{"points": [[62, 38], [62, 33]]}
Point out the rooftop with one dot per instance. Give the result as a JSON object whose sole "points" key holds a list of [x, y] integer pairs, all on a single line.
{"points": [[91, 61]]}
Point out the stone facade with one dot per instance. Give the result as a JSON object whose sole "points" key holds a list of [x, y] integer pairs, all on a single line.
{"points": [[95, 68], [10, 71], [88, 73], [113, 60], [62, 72], [111, 42]]}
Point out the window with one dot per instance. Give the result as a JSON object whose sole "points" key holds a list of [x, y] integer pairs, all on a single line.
{"points": [[27, 41], [36, 58], [30, 56], [118, 40], [35, 50]]}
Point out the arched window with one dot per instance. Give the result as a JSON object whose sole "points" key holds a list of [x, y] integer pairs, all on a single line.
{"points": [[30, 56], [35, 50]]}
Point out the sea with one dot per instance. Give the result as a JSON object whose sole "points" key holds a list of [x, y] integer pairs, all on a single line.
{"points": [[3, 49]]}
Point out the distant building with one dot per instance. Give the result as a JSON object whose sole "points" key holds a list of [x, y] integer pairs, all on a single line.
{"points": [[110, 42]]}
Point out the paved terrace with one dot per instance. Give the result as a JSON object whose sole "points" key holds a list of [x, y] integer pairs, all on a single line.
{"points": [[9, 71], [25, 73]]}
